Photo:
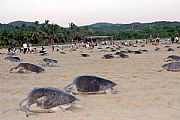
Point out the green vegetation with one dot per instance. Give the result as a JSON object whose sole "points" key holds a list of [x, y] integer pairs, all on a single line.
{"points": [[18, 32]]}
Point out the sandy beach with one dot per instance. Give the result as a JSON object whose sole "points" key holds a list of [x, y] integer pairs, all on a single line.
{"points": [[143, 92]]}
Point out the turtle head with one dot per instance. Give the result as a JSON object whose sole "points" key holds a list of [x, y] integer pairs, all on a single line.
{"points": [[14, 70], [18, 70], [71, 88], [107, 84], [168, 59], [165, 66]]}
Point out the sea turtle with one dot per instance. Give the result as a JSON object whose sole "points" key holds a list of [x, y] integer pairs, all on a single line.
{"points": [[172, 58], [130, 51], [62, 52], [142, 45], [122, 55], [108, 56], [43, 54], [123, 51], [84, 55], [90, 84], [137, 52], [47, 100], [26, 67], [167, 46], [144, 50], [113, 50], [49, 62], [13, 59], [173, 66], [170, 49], [157, 49]]}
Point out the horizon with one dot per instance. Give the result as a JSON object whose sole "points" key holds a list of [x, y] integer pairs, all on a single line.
{"points": [[88, 24], [88, 12]]}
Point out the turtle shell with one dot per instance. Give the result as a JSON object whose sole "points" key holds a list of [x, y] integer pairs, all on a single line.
{"points": [[13, 59], [174, 57], [173, 66], [50, 60], [31, 67], [92, 83], [53, 97]]}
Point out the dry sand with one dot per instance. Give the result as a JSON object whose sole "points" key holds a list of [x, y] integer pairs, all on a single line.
{"points": [[144, 93]]}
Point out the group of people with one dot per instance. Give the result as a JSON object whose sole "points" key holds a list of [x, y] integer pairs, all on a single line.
{"points": [[27, 48], [174, 39], [57, 48]]}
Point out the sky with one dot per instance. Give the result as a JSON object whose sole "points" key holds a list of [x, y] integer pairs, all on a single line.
{"points": [[84, 12]]}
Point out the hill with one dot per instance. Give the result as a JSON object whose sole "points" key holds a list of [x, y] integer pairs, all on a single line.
{"points": [[20, 23], [134, 26]]}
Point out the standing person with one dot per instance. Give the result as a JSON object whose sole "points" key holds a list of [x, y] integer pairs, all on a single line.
{"points": [[157, 40], [176, 39], [30, 47], [172, 39], [25, 48], [52, 48]]}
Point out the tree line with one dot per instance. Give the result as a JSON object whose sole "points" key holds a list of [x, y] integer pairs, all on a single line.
{"points": [[46, 33]]}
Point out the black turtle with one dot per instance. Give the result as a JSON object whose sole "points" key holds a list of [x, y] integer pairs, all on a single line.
{"points": [[84, 55], [144, 50], [90, 84], [137, 52], [172, 58], [62, 52], [167, 46], [47, 100], [157, 49], [13, 59], [142, 45], [122, 55], [130, 51], [27, 67], [108, 56], [117, 53], [43, 54], [123, 51], [170, 49], [49, 62], [173, 66], [113, 50]]}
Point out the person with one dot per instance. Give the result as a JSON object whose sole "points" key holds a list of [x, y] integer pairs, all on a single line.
{"points": [[157, 40], [57, 48], [25, 48], [172, 39], [75, 45], [52, 48], [43, 49], [176, 39], [29, 47]]}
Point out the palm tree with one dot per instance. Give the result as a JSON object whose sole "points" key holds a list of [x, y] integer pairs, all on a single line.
{"points": [[46, 22], [36, 23]]}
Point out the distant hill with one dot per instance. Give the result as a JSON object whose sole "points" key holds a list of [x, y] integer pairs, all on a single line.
{"points": [[104, 25], [136, 25], [20, 23]]}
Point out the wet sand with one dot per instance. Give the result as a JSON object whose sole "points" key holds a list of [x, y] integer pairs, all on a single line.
{"points": [[143, 92]]}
